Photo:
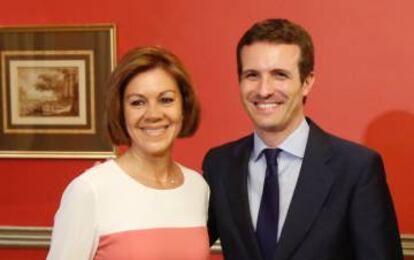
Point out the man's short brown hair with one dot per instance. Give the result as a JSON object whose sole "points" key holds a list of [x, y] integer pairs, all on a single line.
{"points": [[280, 31]]}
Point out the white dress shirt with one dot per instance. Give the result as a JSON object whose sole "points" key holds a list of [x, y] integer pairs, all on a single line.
{"points": [[289, 164]]}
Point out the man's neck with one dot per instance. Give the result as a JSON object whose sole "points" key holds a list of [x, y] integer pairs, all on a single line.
{"points": [[273, 138]]}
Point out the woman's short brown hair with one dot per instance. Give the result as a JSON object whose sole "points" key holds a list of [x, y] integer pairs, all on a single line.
{"points": [[140, 60]]}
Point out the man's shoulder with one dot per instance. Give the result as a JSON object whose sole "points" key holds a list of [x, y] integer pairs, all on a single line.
{"points": [[349, 145], [242, 143], [350, 149], [234, 144]]}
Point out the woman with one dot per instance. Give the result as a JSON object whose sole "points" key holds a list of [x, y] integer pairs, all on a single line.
{"points": [[142, 205]]}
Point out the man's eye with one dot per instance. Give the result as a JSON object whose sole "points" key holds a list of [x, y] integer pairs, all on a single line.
{"points": [[280, 75], [250, 76]]}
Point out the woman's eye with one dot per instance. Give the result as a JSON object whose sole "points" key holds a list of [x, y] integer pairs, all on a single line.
{"points": [[137, 102], [166, 100]]}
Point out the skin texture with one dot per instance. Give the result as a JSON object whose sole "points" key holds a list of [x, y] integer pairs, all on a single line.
{"points": [[271, 90], [153, 117], [153, 112]]}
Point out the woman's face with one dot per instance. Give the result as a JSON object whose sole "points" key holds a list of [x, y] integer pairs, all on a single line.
{"points": [[153, 112]]}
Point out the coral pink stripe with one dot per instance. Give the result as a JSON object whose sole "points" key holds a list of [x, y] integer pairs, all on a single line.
{"points": [[159, 243]]}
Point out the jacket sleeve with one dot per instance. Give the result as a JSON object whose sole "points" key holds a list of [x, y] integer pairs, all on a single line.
{"points": [[74, 231], [211, 223], [373, 222]]}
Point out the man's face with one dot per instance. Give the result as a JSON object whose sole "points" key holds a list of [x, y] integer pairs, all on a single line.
{"points": [[270, 86]]}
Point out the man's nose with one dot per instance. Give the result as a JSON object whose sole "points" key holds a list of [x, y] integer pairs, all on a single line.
{"points": [[265, 87]]}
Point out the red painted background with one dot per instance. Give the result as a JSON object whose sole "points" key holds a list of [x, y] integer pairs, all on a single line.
{"points": [[364, 88]]}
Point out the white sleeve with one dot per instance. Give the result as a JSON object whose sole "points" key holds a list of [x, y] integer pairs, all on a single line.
{"points": [[74, 231]]}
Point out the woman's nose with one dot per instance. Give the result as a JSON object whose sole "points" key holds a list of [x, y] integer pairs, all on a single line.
{"points": [[153, 111]]}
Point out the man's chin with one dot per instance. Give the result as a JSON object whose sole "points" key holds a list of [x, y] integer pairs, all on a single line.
{"points": [[269, 127]]}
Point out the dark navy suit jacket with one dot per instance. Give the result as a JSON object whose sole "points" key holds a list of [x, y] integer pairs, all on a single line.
{"points": [[341, 207]]}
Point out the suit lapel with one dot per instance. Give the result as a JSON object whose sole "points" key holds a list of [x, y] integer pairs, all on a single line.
{"points": [[238, 198], [313, 186]]}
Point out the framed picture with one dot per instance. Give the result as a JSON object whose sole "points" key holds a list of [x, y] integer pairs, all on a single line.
{"points": [[53, 88]]}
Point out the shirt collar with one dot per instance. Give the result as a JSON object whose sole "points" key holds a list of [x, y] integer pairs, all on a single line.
{"points": [[294, 144]]}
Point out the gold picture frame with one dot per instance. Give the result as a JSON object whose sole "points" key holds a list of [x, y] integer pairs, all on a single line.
{"points": [[53, 87]]}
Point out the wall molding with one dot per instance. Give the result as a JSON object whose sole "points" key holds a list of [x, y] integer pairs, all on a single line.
{"points": [[25, 236], [39, 237], [407, 241]]}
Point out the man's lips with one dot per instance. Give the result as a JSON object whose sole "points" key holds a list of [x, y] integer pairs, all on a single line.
{"points": [[267, 106]]}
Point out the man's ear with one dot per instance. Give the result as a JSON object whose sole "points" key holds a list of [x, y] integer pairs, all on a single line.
{"points": [[308, 84]]}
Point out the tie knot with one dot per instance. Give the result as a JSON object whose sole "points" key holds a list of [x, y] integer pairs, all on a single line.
{"points": [[271, 155]]}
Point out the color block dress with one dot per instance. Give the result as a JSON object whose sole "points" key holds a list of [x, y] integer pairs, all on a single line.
{"points": [[106, 214]]}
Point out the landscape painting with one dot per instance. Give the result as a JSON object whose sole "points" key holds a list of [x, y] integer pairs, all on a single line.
{"points": [[53, 87]]}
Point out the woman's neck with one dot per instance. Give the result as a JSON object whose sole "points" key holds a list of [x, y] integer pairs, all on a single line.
{"points": [[157, 165], [153, 171]]}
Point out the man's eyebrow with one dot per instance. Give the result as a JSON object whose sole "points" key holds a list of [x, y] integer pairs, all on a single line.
{"points": [[248, 71], [277, 70]]}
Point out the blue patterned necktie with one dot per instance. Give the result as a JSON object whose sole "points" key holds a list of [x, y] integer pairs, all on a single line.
{"points": [[267, 221]]}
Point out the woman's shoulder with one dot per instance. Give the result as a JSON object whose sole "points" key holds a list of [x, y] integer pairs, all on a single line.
{"points": [[100, 172], [192, 176], [187, 170]]}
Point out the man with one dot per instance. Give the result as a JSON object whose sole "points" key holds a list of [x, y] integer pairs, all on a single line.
{"points": [[329, 199]]}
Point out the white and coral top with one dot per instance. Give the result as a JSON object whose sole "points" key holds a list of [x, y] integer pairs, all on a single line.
{"points": [[106, 214]]}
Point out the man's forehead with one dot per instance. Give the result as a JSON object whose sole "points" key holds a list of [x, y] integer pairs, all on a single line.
{"points": [[269, 56]]}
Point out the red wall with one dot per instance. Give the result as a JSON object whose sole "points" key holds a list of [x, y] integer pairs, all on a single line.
{"points": [[364, 89]]}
